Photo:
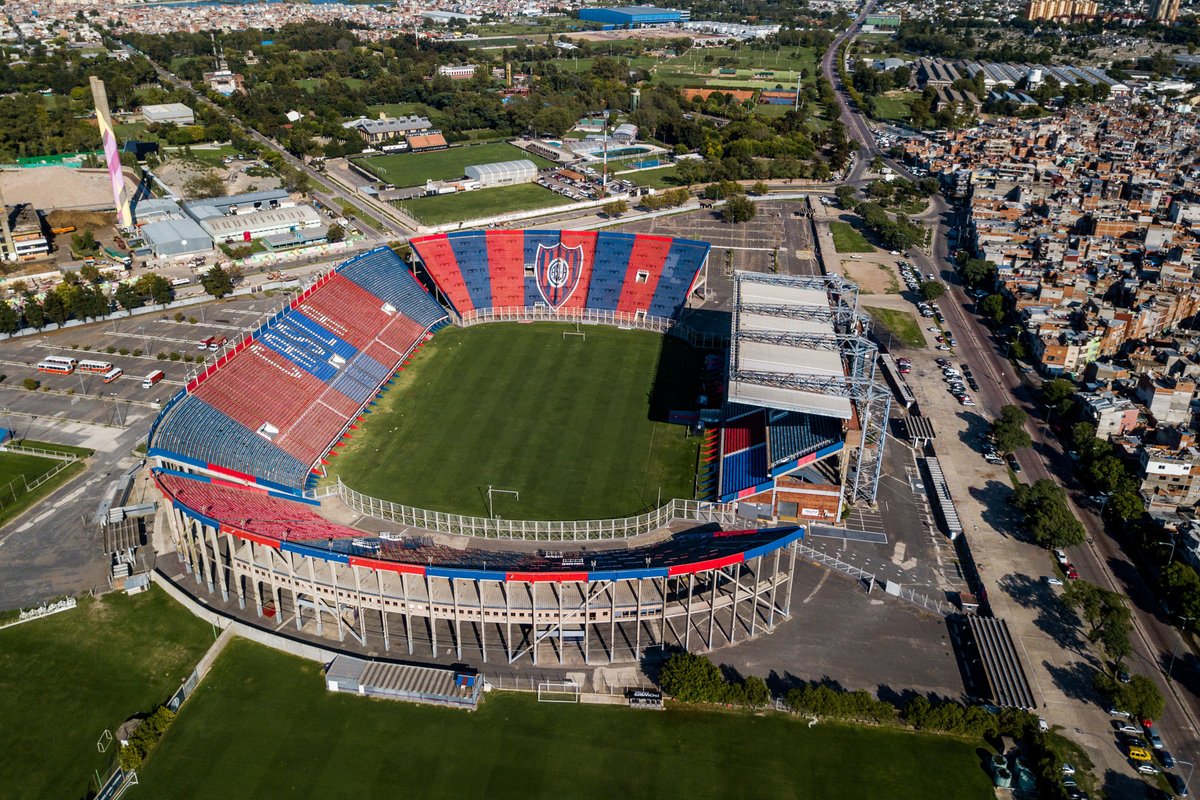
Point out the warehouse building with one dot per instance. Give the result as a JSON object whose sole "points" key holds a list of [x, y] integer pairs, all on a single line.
{"points": [[634, 16], [168, 231], [242, 228], [173, 113], [503, 173], [235, 204]]}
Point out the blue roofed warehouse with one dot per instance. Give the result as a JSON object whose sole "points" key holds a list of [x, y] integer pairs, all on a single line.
{"points": [[633, 16]]}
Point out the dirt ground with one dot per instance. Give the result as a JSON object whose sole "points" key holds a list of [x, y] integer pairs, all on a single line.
{"points": [[176, 172], [59, 187], [873, 274]]}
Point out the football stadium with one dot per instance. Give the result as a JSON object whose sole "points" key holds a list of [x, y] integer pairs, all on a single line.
{"points": [[786, 430]]}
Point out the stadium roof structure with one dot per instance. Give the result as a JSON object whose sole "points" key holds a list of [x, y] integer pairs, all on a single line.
{"points": [[785, 352]]}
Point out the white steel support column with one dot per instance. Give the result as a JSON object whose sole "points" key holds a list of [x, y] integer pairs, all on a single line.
{"points": [[662, 635], [387, 639], [637, 637], [316, 598], [432, 616], [337, 599], [787, 604], [457, 619], [754, 609], [612, 618], [557, 589], [407, 618], [534, 632], [733, 618], [508, 646], [482, 621], [234, 572], [587, 625], [774, 592], [687, 623]]}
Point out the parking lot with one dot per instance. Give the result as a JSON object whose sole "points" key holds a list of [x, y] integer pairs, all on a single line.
{"points": [[138, 346]]}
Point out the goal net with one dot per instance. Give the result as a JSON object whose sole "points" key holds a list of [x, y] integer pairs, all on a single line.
{"points": [[558, 692]]}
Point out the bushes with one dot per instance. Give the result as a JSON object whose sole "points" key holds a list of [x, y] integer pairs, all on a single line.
{"points": [[30, 384], [143, 740], [692, 678], [824, 701]]}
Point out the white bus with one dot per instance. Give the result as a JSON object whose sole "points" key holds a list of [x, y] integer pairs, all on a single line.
{"points": [[72, 363], [57, 367], [113, 374], [95, 366]]}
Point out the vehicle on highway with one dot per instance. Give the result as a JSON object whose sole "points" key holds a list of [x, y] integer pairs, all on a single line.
{"points": [[1053, 581]]}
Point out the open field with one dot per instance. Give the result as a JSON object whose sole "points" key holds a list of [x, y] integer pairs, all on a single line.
{"points": [[340, 746], [413, 169], [480, 203], [658, 177], [901, 324], [848, 240], [66, 678], [17, 471], [310, 84], [563, 420], [895, 106]]}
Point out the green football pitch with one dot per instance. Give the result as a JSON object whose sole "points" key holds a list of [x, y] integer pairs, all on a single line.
{"points": [[574, 424], [67, 678], [413, 169], [262, 725]]}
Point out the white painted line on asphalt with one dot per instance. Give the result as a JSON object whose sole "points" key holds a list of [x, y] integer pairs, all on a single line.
{"points": [[817, 588]]}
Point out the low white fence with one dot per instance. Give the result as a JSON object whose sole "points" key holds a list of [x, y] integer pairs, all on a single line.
{"points": [[537, 530], [583, 316]]}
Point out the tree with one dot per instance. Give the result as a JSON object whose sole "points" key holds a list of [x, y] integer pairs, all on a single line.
{"points": [[1009, 430], [615, 209], [90, 273], [1183, 590], [845, 196], [738, 209], [1141, 698], [156, 287], [991, 308], [1106, 473], [56, 310], [1115, 641], [1057, 394], [1046, 514], [128, 297], [336, 233], [977, 272], [1105, 612], [206, 184], [217, 282], [691, 678], [35, 313], [722, 190], [760, 188], [1083, 439], [932, 290], [10, 320]]}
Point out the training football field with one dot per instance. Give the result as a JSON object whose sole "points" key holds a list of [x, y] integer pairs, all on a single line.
{"points": [[262, 725], [571, 423]]}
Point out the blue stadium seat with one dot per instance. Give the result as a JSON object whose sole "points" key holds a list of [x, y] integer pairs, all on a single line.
{"points": [[792, 435], [608, 272], [679, 270], [470, 248], [743, 470], [197, 430], [383, 274]]}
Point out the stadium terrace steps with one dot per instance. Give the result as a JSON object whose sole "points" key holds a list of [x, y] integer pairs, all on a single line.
{"points": [[264, 516], [619, 272], [198, 431], [283, 399], [793, 435]]}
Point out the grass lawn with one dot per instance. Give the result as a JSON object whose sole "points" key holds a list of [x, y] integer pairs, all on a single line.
{"points": [[481, 203], [658, 177], [901, 324], [895, 107], [17, 470], [55, 447], [564, 421], [848, 240], [212, 155], [310, 84], [413, 169], [400, 110], [66, 678], [351, 210], [319, 744]]}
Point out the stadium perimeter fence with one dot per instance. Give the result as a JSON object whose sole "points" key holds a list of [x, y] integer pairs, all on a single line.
{"points": [[535, 530], [590, 316]]}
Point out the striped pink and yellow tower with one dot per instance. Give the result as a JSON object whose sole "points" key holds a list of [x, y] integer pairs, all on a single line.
{"points": [[112, 156]]}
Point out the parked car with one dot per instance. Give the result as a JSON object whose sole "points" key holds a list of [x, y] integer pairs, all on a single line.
{"points": [[1072, 573], [1178, 786], [1138, 753], [1148, 769], [1116, 712], [1166, 759], [1123, 676], [1053, 581], [1155, 740], [1013, 464], [1060, 556], [1067, 769]]}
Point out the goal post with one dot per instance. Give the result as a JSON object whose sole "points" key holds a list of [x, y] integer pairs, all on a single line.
{"points": [[558, 692]]}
